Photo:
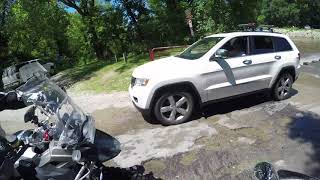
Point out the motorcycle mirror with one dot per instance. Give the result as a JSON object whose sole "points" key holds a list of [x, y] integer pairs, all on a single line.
{"points": [[63, 88], [265, 171], [30, 115], [284, 174]]}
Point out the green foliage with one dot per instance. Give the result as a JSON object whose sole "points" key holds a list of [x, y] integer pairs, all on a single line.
{"points": [[5, 6], [168, 18], [104, 77], [285, 13], [101, 30], [219, 16], [212, 16], [309, 12], [80, 48], [36, 29], [280, 12]]}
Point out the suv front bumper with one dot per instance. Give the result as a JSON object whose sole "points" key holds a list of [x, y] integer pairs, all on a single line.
{"points": [[298, 69], [139, 95]]}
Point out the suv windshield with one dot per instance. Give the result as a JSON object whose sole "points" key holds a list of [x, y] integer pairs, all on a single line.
{"points": [[199, 48]]}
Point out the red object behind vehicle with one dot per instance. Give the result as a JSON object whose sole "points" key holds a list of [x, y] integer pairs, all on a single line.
{"points": [[152, 51], [151, 54]]}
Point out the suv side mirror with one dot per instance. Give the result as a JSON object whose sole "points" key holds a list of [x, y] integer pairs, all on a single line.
{"points": [[220, 54]]}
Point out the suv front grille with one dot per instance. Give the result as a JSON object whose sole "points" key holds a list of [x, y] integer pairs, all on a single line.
{"points": [[133, 80]]}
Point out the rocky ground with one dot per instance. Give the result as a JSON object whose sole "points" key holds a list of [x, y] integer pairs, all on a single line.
{"points": [[225, 143]]}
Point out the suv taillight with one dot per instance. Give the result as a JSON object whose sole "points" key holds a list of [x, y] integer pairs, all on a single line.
{"points": [[299, 56]]}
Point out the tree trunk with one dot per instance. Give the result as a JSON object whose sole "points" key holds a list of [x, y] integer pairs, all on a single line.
{"points": [[94, 40], [132, 17], [87, 10], [124, 57]]}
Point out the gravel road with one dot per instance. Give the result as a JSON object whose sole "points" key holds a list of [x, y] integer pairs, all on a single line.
{"points": [[225, 143]]}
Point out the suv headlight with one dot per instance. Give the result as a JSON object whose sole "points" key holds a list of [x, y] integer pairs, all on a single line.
{"points": [[139, 82]]}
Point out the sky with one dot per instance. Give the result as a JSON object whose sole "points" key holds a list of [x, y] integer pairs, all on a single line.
{"points": [[70, 10]]}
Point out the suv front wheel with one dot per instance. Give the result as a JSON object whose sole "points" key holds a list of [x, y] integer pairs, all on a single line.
{"points": [[282, 87], [174, 108]]}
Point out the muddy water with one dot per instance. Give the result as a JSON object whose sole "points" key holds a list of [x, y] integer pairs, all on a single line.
{"points": [[309, 48]]}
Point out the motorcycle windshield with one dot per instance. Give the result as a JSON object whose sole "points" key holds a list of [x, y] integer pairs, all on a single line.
{"points": [[72, 125]]}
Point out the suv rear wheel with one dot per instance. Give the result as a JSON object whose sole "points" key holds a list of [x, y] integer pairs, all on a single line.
{"points": [[174, 108], [282, 87]]}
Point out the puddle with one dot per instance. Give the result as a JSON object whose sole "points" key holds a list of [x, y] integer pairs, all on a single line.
{"points": [[306, 127]]}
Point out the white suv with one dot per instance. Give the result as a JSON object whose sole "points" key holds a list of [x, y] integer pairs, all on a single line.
{"points": [[214, 68]]}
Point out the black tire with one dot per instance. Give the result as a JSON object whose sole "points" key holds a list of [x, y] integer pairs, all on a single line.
{"points": [[182, 112], [282, 91]]}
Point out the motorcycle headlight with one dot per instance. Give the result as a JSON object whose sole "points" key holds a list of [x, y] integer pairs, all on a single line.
{"points": [[88, 129], [85, 129], [141, 82]]}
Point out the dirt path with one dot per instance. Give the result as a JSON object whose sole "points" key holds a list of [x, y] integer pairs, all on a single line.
{"points": [[229, 142], [93, 102], [225, 143]]}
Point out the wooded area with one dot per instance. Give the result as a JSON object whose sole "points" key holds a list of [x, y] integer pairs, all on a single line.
{"points": [[79, 31]]}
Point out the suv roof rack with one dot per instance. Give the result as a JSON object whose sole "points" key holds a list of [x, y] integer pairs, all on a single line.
{"points": [[254, 28], [269, 28], [248, 27]]}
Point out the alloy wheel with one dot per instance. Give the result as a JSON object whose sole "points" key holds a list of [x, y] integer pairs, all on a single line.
{"points": [[284, 87], [175, 107]]}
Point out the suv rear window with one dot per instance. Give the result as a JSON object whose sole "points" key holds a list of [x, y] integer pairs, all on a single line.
{"points": [[281, 44], [262, 44]]}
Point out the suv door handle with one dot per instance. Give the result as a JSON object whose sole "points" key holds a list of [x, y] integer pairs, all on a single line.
{"points": [[247, 62], [277, 57]]}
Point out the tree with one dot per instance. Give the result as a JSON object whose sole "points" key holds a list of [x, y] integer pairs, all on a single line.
{"points": [[137, 13], [309, 13], [169, 18], [99, 29], [243, 11], [279, 12], [211, 16], [89, 12], [36, 30], [5, 7], [114, 31], [80, 49]]}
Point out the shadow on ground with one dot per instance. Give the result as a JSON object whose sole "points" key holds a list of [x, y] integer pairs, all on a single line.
{"points": [[135, 172], [305, 128], [74, 75], [227, 106], [239, 103], [132, 62], [230, 105]]}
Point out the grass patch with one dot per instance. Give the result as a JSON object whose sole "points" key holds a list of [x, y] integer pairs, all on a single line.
{"points": [[101, 77], [109, 77]]}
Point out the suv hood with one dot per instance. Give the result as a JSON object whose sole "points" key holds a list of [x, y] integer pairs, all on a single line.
{"points": [[165, 67]]}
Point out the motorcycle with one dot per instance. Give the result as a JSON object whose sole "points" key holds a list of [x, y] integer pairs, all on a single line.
{"points": [[65, 144], [265, 171]]}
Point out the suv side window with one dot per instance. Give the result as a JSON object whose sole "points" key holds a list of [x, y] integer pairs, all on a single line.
{"points": [[281, 44], [262, 44], [237, 47]]}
